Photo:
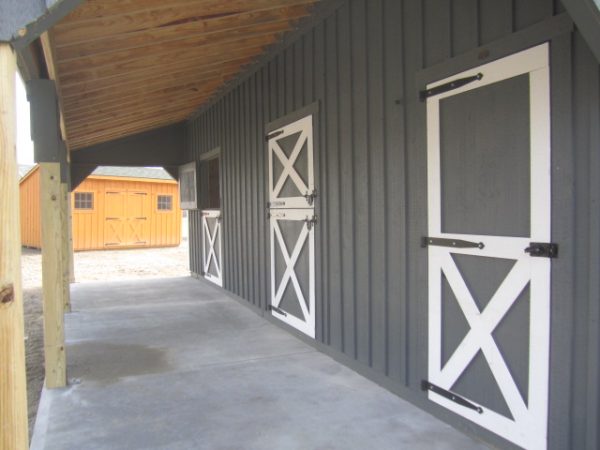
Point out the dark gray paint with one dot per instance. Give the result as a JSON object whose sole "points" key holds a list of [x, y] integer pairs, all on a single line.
{"points": [[586, 14], [45, 131], [364, 64], [159, 147], [162, 147], [80, 172], [484, 138]]}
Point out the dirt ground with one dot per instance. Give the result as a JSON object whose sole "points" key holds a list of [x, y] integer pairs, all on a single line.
{"points": [[89, 266]]}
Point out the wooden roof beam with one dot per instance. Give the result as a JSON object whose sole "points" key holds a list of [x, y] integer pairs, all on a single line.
{"points": [[183, 74], [191, 62], [131, 59], [115, 22], [208, 28], [95, 112], [146, 95], [90, 118]]}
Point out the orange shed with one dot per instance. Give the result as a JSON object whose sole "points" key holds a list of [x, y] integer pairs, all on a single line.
{"points": [[115, 207]]}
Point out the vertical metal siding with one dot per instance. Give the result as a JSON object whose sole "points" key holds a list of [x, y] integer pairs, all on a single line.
{"points": [[585, 415], [360, 64]]}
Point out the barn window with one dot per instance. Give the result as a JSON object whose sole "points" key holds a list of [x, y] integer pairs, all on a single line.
{"points": [[84, 200], [164, 203], [214, 193], [187, 186]]}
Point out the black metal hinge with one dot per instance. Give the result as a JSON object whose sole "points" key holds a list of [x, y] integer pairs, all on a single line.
{"points": [[427, 386], [424, 95], [274, 135], [456, 243], [542, 249], [277, 310]]}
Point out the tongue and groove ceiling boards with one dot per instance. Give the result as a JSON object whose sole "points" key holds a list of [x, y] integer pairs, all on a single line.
{"points": [[127, 66]]}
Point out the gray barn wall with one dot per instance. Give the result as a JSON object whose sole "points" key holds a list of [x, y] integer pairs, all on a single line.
{"points": [[362, 65]]}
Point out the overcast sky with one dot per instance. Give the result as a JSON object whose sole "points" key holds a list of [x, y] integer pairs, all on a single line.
{"points": [[24, 144]]}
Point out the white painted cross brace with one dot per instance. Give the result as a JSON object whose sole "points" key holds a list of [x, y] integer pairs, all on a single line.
{"points": [[305, 295], [290, 271], [304, 183], [209, 239]]}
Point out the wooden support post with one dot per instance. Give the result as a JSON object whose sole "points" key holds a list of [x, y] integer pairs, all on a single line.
{"points": [[49, 152], [13, 384], [66, 254], [70, 236], [53, 257]]}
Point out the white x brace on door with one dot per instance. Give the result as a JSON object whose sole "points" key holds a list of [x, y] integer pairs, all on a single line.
{"points": [[292, 220], [293, 244], [211, 246], [291, 171], [467, 231]]}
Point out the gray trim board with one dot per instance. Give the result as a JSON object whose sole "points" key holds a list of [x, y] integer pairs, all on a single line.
{"points": [[214, 153], [80, 172], [586, 14], [45, 129], [23, 21], [159, 147]]}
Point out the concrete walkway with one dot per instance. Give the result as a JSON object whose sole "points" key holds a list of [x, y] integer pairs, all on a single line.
{"points": [[177, 364]]}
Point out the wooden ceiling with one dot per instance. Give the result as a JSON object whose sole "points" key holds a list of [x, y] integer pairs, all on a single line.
{"points": [[127, 66]]}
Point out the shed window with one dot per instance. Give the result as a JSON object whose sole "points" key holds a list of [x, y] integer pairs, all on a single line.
{"points": [[164, 203], [84, 200]]}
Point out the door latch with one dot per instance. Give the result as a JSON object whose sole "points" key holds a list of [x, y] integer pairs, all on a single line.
{"points": [[542, 249], [310, 222], [310, 197]]}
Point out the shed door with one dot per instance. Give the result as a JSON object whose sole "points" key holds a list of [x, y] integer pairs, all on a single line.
{"points": [[488, 144], [211, 246], [137, 218], [291, 172], [126, 219], [293, 268], [115, 218]]}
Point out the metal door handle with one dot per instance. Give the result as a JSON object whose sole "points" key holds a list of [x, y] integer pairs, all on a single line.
{"points": [[542, 249]]}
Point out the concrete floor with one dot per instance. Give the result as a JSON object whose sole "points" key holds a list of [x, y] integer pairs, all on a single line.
{"points": [[177, 364]]}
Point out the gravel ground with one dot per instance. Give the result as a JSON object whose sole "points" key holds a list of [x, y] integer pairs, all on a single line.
{"points": [[89, 266]]}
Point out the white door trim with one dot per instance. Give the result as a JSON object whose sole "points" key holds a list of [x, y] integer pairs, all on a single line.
{"points": [[529, 429], [209, 239]]}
